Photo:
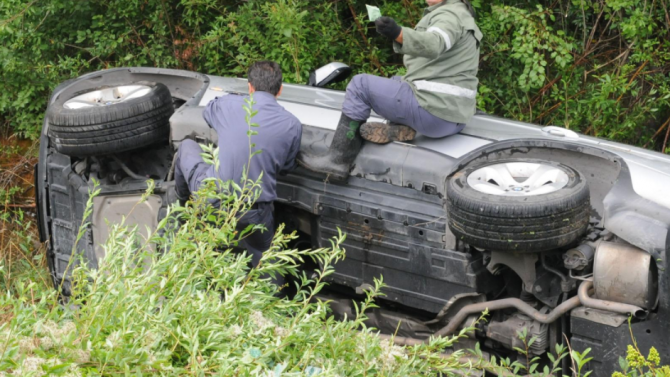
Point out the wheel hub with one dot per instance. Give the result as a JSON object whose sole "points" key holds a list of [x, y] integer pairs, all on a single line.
{"points": [[518, 179], [107, 96]]}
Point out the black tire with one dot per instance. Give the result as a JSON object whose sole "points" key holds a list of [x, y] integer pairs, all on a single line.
{"points": [[111, 129], [522, 224]]}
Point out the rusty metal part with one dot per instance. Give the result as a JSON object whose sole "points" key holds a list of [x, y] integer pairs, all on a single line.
{"points": [[625, 274], [507, 333], [616, 307], [578, 258], [582, 298], [454, 305], [507, 303], [504, 304]]}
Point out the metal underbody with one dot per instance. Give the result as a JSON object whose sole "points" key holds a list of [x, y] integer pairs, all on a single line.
{"points": [[393, 211]]}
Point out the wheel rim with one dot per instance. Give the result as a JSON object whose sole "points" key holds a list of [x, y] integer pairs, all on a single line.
{"points": [[518, 179], [107, 96]]}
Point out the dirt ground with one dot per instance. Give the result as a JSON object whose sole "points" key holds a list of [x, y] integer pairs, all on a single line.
{"points": [[18, 232], [17, 160]]}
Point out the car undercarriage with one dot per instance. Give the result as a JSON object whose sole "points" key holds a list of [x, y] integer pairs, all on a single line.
{"points": [[573, 246]]}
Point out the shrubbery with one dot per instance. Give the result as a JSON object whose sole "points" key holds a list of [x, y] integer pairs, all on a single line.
{"points": [[183, 302], [195, 310], [595, 66]]}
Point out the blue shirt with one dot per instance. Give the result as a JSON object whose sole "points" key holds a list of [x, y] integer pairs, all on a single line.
{"points": [[278, 138]]}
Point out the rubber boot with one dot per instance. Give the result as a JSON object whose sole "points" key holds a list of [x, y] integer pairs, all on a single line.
{"points": [[341, 153], [384, 133]]}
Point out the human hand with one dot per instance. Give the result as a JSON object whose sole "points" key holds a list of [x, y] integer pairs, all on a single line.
{"points": [[387, 27]]}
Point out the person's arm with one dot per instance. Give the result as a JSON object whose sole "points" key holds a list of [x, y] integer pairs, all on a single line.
{"points": [[210, 111], [290, 162], [440, 36]]}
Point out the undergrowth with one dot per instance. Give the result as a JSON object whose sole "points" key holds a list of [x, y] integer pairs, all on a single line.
{"points": [[182, 301], [594, 66]]}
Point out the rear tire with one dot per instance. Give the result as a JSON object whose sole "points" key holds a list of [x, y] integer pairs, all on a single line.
{"points": [[516, 222], [99, 129]]}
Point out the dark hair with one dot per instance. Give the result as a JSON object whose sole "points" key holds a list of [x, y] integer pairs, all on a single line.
{"points": [[265, 76]]}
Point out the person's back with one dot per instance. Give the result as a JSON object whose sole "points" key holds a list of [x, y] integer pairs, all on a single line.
{"points": [[443, 72], [278, 139]]}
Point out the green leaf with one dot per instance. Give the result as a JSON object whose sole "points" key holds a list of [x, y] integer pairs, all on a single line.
{"points": [[255, 353], [56, 369]]}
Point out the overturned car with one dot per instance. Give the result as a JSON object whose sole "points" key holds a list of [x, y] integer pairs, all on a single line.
{"points": [[558, 235]]}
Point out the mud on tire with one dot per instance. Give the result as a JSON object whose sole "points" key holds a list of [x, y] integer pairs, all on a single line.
{"points": [[98, 128], [518, 222]]}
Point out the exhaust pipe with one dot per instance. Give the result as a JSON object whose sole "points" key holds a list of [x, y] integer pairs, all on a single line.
{"points": [[610, 306], [582, 298], [506, 303]]}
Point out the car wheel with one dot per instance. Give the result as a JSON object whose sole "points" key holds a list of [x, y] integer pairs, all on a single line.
{"points": [[518, 205], [110, 120]]}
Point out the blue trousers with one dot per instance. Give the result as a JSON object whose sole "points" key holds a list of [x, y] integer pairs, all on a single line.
{"points": [[394, 100], [191, 170]]}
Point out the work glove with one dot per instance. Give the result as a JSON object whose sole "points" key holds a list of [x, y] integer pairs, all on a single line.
{"points": [[387, 27]]}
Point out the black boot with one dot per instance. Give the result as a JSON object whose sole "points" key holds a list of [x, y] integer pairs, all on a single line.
{"points": [[341, 154]]}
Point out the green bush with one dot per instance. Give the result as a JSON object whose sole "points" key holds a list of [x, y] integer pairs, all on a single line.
{"points": [[197, 310], [182, 302], [599, 67]]}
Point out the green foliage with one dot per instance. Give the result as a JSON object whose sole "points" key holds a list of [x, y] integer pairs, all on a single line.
{"points": [[196, 308], [595, 66], [182, 302], [599, 67], [636, 365], [529, 365]]}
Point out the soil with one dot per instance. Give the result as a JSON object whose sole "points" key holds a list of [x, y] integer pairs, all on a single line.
{"points": [[17, 160], [17, 198]]}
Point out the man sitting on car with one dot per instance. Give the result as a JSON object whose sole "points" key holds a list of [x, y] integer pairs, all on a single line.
{"points": [[436, 97], [278, 138]]}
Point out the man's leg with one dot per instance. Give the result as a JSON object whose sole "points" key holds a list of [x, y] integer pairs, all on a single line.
{"points": [[390, 98], [429, 125], [394, 100], [188, 159], [259, 242], [387, 97], [347, 141]]}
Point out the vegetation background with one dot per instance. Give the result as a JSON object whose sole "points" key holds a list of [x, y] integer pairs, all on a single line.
{"points": [[595, 66]]}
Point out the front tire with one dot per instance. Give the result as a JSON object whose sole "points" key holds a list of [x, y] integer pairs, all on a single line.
{"points": [[519, 205]]}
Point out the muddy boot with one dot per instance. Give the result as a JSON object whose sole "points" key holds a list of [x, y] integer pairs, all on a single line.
{"points": [[341, 154], [383, 133]]}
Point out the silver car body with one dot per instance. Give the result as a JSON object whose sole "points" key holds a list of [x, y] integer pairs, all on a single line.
{"points": [[318, 107]]}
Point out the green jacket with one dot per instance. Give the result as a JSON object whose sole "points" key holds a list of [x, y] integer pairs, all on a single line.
{"points": [[442, 58]]}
